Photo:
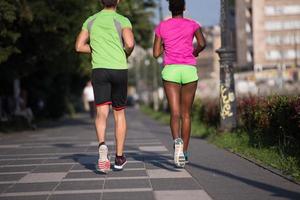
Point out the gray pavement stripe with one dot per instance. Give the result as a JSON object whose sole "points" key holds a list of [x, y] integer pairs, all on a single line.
{"points": [[50, 154], [8, 182], [26, 146], [30, 158], [41, 164], [8, 173], [89, 170], [50, 164], [74, 192], [9, 146], [108, 178]]}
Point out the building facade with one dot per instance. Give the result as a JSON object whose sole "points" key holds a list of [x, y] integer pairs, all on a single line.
{"points": [[267, 33]]}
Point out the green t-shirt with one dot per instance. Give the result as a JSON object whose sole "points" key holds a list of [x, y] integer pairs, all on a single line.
{"points": [[105, 29]]}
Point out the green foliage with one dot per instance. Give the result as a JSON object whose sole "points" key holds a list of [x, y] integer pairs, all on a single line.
{"points": [[37, 41], [272, 121], [207, 111], [8, 36]]}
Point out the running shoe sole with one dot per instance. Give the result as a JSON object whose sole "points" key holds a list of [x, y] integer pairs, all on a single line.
{"points": [[103, 161], [179, 158], [120, 167]]}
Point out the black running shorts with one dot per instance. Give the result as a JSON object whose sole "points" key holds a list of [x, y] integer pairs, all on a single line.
{"points": [[110, 87]]}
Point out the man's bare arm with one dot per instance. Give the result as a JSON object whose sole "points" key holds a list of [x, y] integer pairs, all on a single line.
{"points": [[82, 42], [128, 39]]}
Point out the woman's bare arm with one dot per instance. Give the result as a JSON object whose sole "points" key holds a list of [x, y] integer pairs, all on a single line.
{"points": [[201, 42], [157, 47]]}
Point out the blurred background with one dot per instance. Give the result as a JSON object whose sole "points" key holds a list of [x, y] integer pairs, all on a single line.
{"points": [[40, 70]]}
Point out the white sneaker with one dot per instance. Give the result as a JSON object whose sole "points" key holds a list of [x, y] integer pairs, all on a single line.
{"points": [[103, 161], [179, 158]]}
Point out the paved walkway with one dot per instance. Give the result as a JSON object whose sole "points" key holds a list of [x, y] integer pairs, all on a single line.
{"points": [[57, 162]]}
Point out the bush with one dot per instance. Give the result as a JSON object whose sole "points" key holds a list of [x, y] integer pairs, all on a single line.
{"points": [[270, 121], [207, 112]]}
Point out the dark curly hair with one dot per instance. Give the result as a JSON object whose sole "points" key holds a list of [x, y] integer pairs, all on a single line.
{"points": [[176, 7], [109, 3]]}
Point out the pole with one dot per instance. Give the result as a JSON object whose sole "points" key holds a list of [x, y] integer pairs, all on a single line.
{"points": [[160, 11], [155, 69], [228, 108]]}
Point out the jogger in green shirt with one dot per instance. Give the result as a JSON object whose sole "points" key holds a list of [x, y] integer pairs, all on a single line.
{"points": [[108, 37]]}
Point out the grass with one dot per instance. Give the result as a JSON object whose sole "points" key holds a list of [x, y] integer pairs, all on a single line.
{"points": [[238, 142]]}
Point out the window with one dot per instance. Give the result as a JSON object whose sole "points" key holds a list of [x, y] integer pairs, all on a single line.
{"points": [[273, 55], [279, 25], [289, 39], [248, 28], [282, 10], [249, 57]]}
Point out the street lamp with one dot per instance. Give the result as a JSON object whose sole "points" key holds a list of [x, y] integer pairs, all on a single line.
{"points": [[228, 105]]}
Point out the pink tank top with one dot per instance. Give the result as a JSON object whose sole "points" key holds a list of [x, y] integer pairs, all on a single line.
{"points": [[178, 35]]}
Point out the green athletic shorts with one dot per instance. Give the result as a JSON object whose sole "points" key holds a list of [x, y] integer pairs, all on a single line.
{"points": [[181, 74]]}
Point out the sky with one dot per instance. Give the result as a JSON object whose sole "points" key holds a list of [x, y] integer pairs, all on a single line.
{"points": [[206, 12]]}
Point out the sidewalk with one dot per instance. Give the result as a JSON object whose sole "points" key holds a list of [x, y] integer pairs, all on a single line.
{"points": [[226, 176], [58, 163]]}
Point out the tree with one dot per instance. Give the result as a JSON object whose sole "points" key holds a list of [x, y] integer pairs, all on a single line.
{"points": [[37, 46]]}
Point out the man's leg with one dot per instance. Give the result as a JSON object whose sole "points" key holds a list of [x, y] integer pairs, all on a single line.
{"points": [[100, 122], [120, 130]]}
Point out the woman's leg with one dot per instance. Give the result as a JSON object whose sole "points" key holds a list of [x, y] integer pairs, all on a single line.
{"points": [[172, 91], [187, 98]]}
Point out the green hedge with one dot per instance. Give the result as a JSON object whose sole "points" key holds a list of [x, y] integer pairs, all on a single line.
{"points": [[270, 122]]}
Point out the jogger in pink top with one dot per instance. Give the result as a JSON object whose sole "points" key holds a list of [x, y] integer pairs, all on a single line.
{"points": [[177, 35], [174, 39]]}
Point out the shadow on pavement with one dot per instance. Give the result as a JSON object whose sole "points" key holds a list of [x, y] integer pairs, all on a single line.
{"points": [[277, 191]]}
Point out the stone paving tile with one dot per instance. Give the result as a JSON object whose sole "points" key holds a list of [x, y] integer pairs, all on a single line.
{"points": [[91, 167], [128, 196], [52, 168], [87, 159], [135, 165], [131, 184], [42, 177], [71, 150], [175, 184], [59, 161], [24, 162], [84, 175], [5, 162], [17, 169], [11, 177], [34, 151], [80, 185], [25, 198], [4, 187], [75, 197], [161, 165], [182, 194], [153, 148], [135, 173], [31, 187], [163, 173]]}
